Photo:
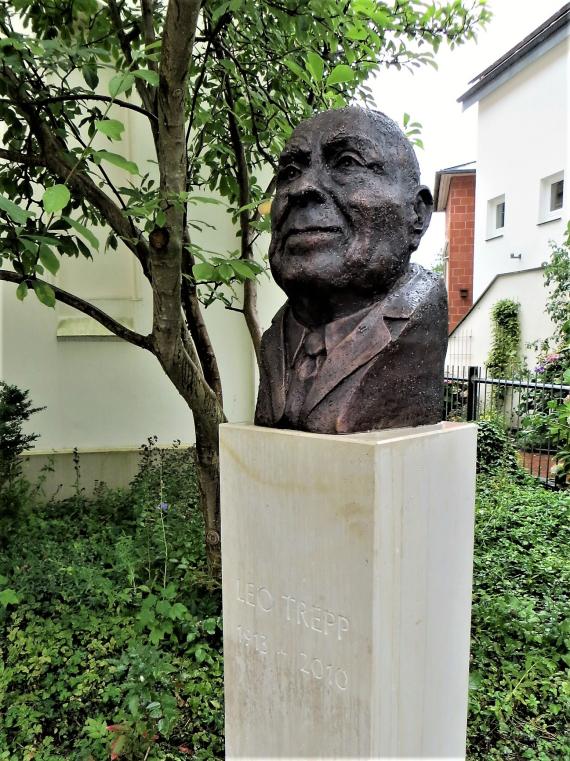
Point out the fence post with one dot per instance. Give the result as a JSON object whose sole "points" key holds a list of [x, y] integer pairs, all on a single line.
{"points": [[472, 392]]}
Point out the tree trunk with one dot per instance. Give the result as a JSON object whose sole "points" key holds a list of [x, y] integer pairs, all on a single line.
{"points": [[208, 466]]}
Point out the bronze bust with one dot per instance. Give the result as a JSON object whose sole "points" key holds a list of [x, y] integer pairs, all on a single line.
{"points": [[360, 344]]}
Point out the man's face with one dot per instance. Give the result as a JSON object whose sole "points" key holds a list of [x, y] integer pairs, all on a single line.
{"points": [[344, 215]]}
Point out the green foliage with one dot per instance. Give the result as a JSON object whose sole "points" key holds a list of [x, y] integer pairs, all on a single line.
{"points": [[110, 628], [494, 447], [519, 697], [504, 360], [537, 406]]}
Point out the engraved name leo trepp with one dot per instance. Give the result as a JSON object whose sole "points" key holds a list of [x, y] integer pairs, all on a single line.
{"points": [[293, 610]]}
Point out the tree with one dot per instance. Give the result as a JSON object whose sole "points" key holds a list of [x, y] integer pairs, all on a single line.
{"points": [[221, 84]]}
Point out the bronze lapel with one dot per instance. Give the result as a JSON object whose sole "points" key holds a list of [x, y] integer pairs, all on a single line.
{"points": [[363, 343]]}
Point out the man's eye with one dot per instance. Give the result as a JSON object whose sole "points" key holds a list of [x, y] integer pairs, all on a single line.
{"points": [[289, 172], [346, 160]]}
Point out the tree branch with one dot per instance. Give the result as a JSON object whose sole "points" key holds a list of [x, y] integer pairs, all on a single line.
{"points": [[146, 92], [196, 324], [22, 158], [244, 198], [143, 342], [103, 98], [177, 42], [54, 153], [147, 10]]}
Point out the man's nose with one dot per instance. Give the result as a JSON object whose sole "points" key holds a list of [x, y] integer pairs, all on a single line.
{"points": [[307, 188]]}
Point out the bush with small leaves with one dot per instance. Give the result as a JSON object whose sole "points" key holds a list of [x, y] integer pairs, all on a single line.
{"points": [[494, 448]]}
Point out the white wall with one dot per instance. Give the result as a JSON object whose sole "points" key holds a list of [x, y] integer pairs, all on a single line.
{"points": [[470, 342], [523, 136]]}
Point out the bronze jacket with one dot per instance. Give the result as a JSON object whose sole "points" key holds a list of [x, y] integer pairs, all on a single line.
{"points": [[387, 372]]}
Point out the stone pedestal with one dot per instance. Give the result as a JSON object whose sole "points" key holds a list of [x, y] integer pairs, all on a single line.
{"points": [[347, 564]]}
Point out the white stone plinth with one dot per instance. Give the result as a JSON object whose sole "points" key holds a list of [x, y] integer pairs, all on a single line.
{"points": [[347, 564]]}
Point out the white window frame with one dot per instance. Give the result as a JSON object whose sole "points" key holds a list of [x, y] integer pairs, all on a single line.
{"points": [[492, 206], [545, 213]]}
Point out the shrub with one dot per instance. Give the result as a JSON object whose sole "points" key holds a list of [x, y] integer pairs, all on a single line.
{"points": [[15, 411], [494, 448]]}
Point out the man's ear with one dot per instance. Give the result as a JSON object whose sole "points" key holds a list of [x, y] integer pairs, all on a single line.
{"points": [[423, 207]]}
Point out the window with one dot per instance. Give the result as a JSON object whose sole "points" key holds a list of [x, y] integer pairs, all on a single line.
{"points": [[500, 215], [551, 197], [495, 217], [556, 195]]}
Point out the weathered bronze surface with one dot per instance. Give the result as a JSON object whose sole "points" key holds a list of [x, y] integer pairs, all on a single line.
{"points": [[361, 342]]}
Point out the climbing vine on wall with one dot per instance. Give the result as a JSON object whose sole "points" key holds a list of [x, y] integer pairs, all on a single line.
{"points": [[504, 358]]}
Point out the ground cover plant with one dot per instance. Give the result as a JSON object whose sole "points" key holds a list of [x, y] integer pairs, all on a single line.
{"points": [[110, 628], [520, 696]]}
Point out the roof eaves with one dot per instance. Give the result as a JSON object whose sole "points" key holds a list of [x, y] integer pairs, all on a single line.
{"points": [[539, 41], [442, 182]]}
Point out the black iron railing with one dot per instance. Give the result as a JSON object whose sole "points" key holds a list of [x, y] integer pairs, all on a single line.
{"points": [[522, 403]]}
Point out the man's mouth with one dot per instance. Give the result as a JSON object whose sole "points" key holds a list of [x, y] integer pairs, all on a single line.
{"points": [[313, 231]]}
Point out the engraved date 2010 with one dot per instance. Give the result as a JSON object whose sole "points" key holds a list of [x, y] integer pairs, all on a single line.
{"points": [[333, 676]]}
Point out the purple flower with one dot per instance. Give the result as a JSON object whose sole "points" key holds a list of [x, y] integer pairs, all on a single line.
{"points": [[539, 369], [163, 506]]}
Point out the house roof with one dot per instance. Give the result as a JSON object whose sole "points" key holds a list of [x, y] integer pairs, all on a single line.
{"points": [[534, 45], [443, 181]]}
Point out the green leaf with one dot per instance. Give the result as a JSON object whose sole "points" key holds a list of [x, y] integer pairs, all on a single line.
{"points": [[243, 270], [82, 230], [90, 76], [225, 272], [17, 214], [315, 65], [56, 198], [48, 259], [113, 128], [121, 82], [49, 240], [296, 69], [148, 75], [22, 291], [204, 271], [340, 73], [8, 597], [114, 158], [45, 293]]}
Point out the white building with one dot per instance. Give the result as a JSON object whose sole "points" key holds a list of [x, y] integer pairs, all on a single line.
{"points": [[522, 161]]}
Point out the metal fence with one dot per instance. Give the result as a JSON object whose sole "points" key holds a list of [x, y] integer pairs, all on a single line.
{"points": [[521, 402]]}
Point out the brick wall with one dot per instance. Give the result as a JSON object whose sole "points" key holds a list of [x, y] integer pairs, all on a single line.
{"points": [[460, 223]]}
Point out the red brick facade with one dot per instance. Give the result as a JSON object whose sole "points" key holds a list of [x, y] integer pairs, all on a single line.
{"points": [[460, 224]]}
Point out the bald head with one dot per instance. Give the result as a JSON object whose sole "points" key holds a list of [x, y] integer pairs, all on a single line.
{"points": [[348, 210]]}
